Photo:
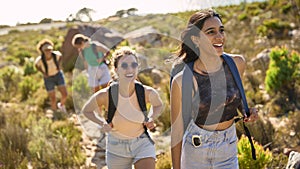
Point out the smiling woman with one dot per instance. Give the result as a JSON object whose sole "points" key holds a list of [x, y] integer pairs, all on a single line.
{"points": [[128, 121], [203, 133]]}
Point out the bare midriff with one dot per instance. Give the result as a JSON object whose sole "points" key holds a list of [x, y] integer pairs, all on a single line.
{"points": [[219, 126]]}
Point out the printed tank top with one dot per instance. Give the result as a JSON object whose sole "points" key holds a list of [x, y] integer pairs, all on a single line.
{"points": [[219, 97]]}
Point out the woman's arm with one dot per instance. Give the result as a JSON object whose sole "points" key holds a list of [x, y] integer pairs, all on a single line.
{"points": [[154, 99], [102, 48], [176, 121], [96, 101]]}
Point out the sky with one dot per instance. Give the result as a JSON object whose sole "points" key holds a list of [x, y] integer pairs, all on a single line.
{"points": [[24, 11]]}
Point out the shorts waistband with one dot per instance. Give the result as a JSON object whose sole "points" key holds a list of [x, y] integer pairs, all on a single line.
{"points": [[207, 135], [115, 139]]}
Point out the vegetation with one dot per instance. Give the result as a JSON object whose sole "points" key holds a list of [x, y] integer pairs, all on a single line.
{"points": [[283, 74], [28, 137]]}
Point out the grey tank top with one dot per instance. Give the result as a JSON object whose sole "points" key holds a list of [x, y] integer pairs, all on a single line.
{"points": [[219, 97]]}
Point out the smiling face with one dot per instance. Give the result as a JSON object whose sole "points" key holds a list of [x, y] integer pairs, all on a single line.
{"points": [[214, 31], [127, 68]]}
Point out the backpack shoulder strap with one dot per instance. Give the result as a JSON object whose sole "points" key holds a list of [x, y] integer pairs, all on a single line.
{"points": [[140, 93], [113, 100], [55, 60], [236, 76], [187, 86], [113, 91], [235, 73], [94, 48]]}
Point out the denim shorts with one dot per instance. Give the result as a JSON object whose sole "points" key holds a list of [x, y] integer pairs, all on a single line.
{"points": [[209, 149], [55, 80], [123, 153], [98, 75]]}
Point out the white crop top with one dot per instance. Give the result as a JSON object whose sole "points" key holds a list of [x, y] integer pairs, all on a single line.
{"points": [[128, 119]]}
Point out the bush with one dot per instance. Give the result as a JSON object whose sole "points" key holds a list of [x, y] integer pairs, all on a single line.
{"points": [[263, 157], [10, 76], [164, 161], [13, 146], [29, 67], [283, 73], [27, 86]]}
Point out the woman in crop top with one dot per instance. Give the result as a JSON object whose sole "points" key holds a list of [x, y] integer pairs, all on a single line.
{"points": [[48, 63], [127, 143], [210, 138]]}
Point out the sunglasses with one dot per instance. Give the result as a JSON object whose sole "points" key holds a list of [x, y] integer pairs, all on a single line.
{"points": [[125, 65]]}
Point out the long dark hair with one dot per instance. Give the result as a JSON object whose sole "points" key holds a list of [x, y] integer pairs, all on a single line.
{"points": [[188, 49], [45, 62], [39, 46]]}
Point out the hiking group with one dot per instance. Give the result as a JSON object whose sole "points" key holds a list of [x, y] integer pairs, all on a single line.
{"points": [[206, 99]]}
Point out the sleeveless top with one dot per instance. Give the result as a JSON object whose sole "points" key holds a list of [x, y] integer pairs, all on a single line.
{"points": [[90, 57], [128, 119], [219, 97], [52, 69]]}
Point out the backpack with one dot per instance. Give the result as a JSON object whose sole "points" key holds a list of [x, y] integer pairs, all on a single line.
{"points": [[113, 93], [45, 62], [187, 77]]}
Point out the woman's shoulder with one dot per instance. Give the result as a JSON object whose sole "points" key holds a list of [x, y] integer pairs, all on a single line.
{"points": [[240, 62], [238, 58], [38, 59], [57, 53]]}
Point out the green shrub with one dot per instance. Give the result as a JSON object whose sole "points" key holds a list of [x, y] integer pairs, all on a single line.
{"points": [[13, 146], [22, 55], [80, 89], [55, 145], [286, 8], [283, 73], [27, 87], [164, 161], [29, 67], [242, 17], [10, 76], [263, 157]]}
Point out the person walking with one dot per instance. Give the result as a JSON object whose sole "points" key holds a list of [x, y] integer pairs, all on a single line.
{"points": [[94, 54], [128, 141], [48, 63], [208, 139]]}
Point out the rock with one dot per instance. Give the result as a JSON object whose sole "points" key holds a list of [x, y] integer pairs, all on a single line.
{"points": [[108, 37], [143, 36], [294, 160]]}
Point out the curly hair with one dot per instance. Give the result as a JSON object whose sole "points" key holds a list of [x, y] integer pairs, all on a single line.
{"points": [[123, 51]]}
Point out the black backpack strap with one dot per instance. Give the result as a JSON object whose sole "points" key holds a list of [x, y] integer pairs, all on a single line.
{"points": [[140, 93], [55, 60], [236, 76], [113, 92]]}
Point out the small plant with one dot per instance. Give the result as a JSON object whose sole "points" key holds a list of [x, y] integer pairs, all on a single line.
{"points": [[283, 74], [29, 68], [164, 161], [27, 86], [263, 157]]}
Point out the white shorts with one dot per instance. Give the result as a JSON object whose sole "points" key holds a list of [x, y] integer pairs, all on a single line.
{"points": [[98, 75]]}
